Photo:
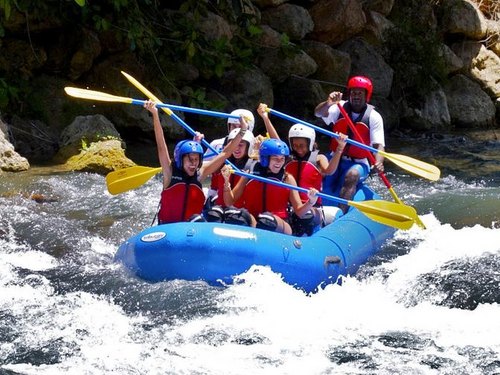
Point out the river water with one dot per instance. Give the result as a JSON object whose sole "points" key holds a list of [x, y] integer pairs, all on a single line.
{"points": [[427, 303]]}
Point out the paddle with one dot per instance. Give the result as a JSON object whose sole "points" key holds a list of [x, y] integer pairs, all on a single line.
{"points": [[373, 161], [412, 165], [126, 179], [131, 178], [104, 97], [384, 212], [388, 213]]}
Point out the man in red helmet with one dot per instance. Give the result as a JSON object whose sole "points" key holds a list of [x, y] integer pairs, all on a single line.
{"points": [[354, 166]]}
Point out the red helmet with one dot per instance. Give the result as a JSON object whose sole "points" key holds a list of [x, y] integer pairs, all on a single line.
{"points": [[363, 83]]}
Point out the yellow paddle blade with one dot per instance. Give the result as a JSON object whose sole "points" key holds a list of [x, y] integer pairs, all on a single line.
{"points": [[95, 95], [145, 91], [389, 213], [418, 167], [397, 200], [130, 178]]}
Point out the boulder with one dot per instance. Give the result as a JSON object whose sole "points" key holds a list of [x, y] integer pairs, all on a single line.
{"points": [[334, 66], [336, 21], [482, 65], [376, 27], [82, 132], [83, 58], [464, 17], [432, 115], [298, 96], [100, 157], [10, 160], [246, 88], [367, 61], [279, 65], [290, 19], [383, 7], [469, 106]]}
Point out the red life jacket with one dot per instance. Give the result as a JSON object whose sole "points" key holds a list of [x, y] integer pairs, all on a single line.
{"points": [[355, 152], [183, 198], [218, 182], [362, 125], [260, 197], [307, 174]]}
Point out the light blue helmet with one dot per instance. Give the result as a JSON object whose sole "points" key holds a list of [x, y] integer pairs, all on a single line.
{"points": [[187, 147], [272, 147]]}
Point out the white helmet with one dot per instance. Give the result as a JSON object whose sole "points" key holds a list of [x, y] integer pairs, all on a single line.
{"points": [[302, 131], [248, 137], [249, 118]]}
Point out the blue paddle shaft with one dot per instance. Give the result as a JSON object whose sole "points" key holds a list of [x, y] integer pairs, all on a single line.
{"points": [[187, 109], [321, 130], [293, 187]]}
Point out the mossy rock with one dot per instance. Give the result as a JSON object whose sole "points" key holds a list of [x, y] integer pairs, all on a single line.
{"points": [[100, 157], [83, 131]]}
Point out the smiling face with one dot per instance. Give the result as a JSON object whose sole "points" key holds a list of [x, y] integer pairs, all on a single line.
{"points": [[300, 145], [276, 162], [190, 163], [357, 97]]}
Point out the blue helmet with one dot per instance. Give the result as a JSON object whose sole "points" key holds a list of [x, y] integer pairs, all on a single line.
{"points": [[187, 147], [272, 147]]}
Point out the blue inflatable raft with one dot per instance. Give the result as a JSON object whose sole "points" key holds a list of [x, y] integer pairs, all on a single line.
{"points": [[216, 252]]}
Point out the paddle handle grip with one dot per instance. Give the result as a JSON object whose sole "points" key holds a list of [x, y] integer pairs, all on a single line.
{"points": [[321, 130], [187, 109]]}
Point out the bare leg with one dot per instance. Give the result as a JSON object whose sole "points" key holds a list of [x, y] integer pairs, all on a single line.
{"points": [[349, 188], [283, 226]]}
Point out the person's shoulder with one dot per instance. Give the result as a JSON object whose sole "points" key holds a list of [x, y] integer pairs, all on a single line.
{"points": [[375, 115], [321, 155]]}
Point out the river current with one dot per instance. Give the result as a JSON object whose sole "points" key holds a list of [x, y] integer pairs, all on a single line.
{"points": [[427, 303]]}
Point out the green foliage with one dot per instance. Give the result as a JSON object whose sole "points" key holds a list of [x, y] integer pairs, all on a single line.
{"points": [[8, 94], [125, 18], [6, 6], [211, 57], [413, 50], [155, 31]]}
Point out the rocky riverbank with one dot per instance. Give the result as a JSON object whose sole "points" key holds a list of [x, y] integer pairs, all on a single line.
{"points": [[289, 56]]}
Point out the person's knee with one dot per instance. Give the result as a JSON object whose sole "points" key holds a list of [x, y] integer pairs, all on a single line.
{"points": [[215, 214], [196, 218], [237, 216], [352, 177], [303, 225], [330, 214], [267, 221]]}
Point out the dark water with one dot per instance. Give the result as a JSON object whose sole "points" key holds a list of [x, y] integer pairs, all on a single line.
{"points": [[427, 303]]}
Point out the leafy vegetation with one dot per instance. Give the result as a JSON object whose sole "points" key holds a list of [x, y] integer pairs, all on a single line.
{"points": [[154, 31]]}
